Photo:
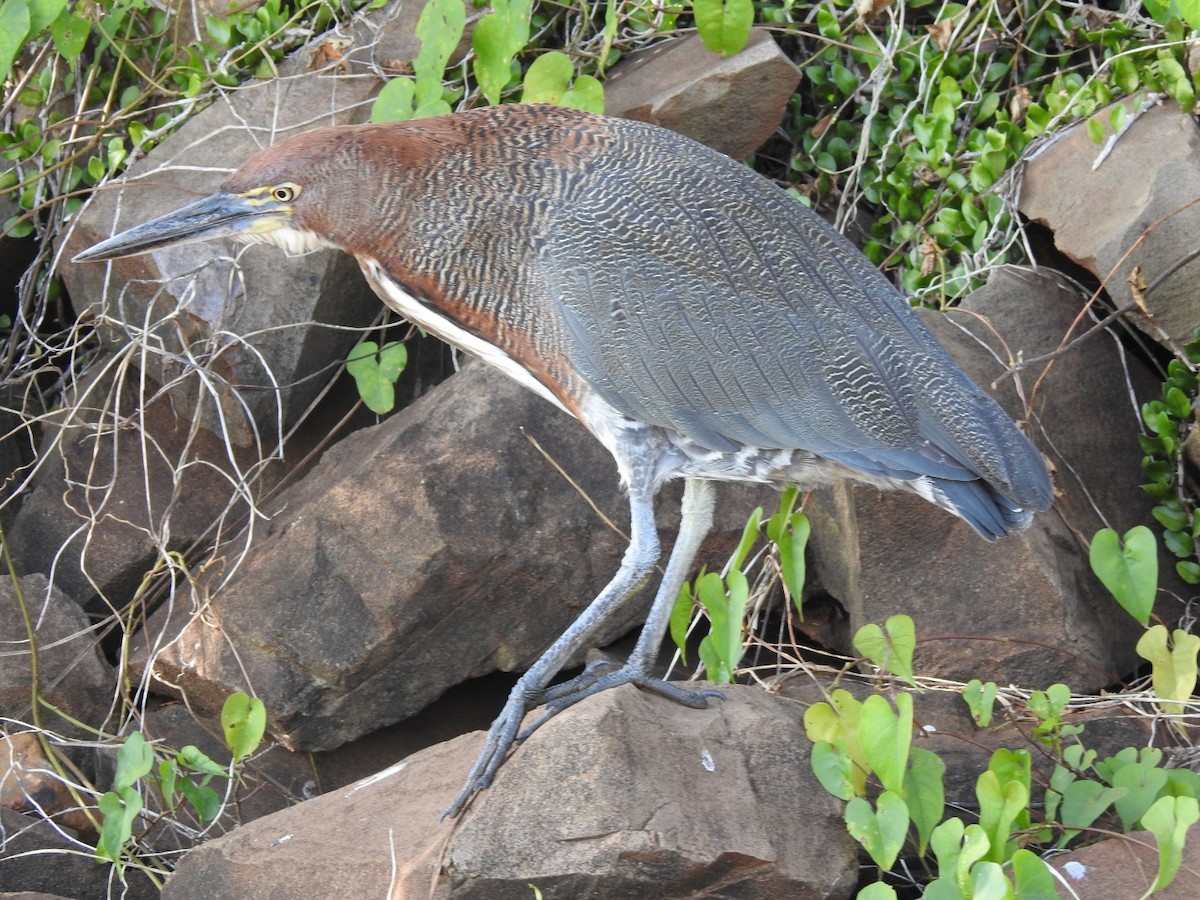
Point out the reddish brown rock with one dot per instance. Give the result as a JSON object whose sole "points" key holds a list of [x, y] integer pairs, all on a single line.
{"points": [[686, 87], [625, 793], [1131, 204]]}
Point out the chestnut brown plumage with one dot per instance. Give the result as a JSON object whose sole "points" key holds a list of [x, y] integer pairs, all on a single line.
{"points": [[698, 321]]}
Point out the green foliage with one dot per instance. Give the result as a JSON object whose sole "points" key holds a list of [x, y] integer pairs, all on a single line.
{"points": [[1168, 422], [181, 778], [439, 29], [789, 530], [980, 699], [138, 88], [724, 25], [1050, 708], [864, 748], [497, 38], [724, 600], [548, 80], [925, 119], [890, 648], [375, 371], [244, 722], [1128, 567]]}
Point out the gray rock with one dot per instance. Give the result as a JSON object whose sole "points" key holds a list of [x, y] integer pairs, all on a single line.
{"points": [[72, 674], [107, 500], [624, 795], [1123, 868], [38, 857], [1134, 209], [686, 87]]}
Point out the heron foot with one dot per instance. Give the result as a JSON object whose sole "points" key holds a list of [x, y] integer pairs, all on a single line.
{"points": [[590, 682], [506, 731]]}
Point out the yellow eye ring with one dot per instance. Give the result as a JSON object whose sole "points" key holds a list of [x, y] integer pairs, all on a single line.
{"points": [[285, 193]]}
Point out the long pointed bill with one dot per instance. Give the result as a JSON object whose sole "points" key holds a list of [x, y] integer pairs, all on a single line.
{"points": [[218, 215]]}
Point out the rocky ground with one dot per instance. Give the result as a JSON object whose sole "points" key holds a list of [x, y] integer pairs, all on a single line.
{"points": [[368, 590]]}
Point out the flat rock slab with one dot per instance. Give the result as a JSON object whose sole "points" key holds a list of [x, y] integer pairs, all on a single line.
{"points": [[1134, 207], [624, 795]]}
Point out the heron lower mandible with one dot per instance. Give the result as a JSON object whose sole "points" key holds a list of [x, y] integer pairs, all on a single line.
{"points": [[698, 321]]}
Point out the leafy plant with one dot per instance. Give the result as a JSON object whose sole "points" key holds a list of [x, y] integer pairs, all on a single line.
{"points": [[1128, 567], [725, 598], [182, 778], [439, 29], [863, 750], [724, 25], [375, 371], [1169, 421]]}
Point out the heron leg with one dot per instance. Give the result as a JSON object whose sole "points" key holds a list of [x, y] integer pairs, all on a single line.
{"points": [[696, 514], [636, 565]]}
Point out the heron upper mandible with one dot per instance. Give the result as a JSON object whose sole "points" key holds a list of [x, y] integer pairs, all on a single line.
{"points": [[698, 321]]}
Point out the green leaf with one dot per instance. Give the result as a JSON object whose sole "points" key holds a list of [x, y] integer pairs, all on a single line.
{"points": [[988, 882], [219, 30], [1128, 570], [924, 793], [877, 890], [839, 720], [135, 759], [681, 618], [790, 532], [375, 372], [1190, 11], [890, 648], [834, 768], [749, 537], [981, 700], [975, 847], [548, 80], [439, 29], [244, 720], [1000, 805], [42, 13], [1169, 820], [1034, 879], [1083, 802], [1143, 785], [881, 830], [886, 737], [395, 102], [120, 810], [192, 757], [17, 227], [724, 25], [1174, 667], [585, 94], [14, 26], [204, 799], [497, 38], [168, 774]]}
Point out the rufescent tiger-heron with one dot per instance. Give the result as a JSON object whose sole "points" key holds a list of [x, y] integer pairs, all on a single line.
{"points": [[698, 321]]}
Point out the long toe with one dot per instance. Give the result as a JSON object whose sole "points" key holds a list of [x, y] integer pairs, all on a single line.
{"points": [[584, 686]]}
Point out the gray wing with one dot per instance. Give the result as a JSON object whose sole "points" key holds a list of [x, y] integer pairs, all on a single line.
{"points": [[778, 333]]}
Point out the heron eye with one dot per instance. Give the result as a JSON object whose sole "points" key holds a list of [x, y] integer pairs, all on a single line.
{"points": [[284, 193]]}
